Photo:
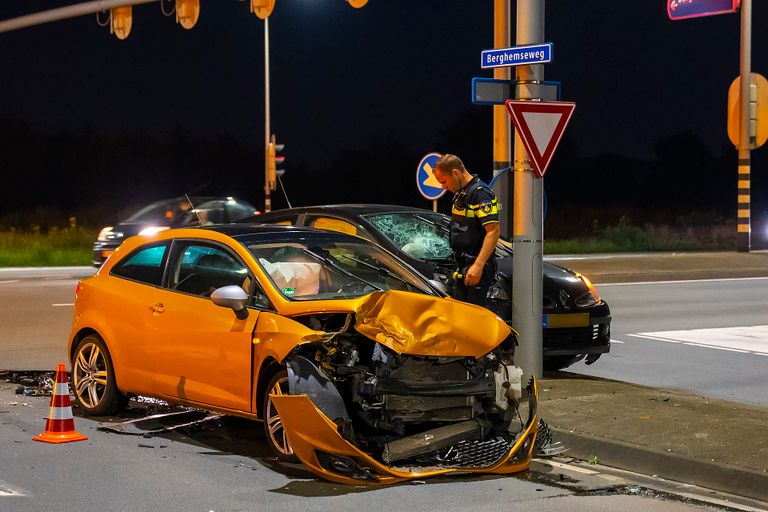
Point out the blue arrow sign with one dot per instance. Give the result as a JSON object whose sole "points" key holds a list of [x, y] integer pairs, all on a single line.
{"points": [[516, 56], [428, 185]]}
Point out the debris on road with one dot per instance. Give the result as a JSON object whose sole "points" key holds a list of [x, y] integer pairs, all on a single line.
{"points": [[159, 422]]}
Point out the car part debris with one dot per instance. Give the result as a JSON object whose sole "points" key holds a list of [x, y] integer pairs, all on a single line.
{"points": [[160, 422], [546, 446]]}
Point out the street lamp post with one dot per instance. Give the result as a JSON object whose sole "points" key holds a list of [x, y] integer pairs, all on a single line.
{"points": [[267, 131]]}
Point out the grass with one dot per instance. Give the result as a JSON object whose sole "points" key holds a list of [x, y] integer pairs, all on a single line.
{"points": [[72, 245], [57, 247]]}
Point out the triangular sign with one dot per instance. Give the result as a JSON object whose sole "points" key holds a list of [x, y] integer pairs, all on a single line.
{"points": [[541, 125]]}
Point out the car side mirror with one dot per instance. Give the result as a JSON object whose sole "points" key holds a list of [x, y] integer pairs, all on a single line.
{"points": [[232, 297]]}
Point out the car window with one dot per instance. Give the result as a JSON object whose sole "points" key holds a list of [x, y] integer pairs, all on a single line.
{"points": [[331, 224], [144, 265], [201, 268], [237, 211], [421, 236], [328, 268]]}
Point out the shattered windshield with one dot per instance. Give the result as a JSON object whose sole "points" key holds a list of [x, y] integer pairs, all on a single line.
{"points": [[420, 235], [313, 268]]}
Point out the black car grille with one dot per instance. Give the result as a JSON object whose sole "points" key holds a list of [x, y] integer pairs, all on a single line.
{"points": [[466, 454]]}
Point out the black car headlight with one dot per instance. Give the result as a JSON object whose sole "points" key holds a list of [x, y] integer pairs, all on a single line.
{"points": [[591, 297]]}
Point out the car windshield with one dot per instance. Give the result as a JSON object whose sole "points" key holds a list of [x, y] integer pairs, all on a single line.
{"points": [[314, 267], [162, 213], [420, 235]]}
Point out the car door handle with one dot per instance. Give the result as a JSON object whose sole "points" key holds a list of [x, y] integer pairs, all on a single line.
{"points": [[157, 308]]}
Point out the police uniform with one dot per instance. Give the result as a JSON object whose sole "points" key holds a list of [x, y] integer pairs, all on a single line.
{"points": [[474, 206]]}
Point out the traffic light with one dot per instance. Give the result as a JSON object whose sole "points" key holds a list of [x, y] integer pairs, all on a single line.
{"points": [[187, 13], [357, 3], [273, 161], [120, 21], [262, 8]]}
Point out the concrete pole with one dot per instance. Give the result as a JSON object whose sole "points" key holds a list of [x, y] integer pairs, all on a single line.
{"points": [[528, 237], [502, 124], [267, 133], [743, 215]]}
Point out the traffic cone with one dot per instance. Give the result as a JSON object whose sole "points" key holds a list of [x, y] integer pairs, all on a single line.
{"points": [[60, 425]]}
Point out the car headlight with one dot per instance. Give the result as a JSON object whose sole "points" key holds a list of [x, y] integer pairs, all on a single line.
{"points": [[104, 233], [591, 297], [152, 230]]}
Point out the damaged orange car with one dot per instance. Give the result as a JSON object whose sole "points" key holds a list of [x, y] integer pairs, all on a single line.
{"points": [[356, 365]]}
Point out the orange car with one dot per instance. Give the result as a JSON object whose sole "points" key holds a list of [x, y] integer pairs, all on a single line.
{"points": [[356, 364]]}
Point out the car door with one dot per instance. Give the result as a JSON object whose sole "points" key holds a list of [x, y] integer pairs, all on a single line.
{"points": [[202, 352]]}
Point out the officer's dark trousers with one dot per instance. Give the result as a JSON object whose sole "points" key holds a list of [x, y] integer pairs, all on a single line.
{"points": [[475, 294]]}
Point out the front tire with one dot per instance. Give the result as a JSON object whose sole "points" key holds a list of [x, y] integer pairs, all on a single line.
{"points": [[273, 425], [93, 378]]}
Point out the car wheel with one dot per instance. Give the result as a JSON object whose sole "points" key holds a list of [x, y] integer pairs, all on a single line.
{"points": [[273, 425], [560, 362], [93, 378]]}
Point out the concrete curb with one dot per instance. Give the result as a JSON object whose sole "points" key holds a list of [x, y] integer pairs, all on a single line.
{"points": [[671, 466]]}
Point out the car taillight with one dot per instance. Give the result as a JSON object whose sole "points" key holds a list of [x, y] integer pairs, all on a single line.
{"points": [[77, 289]]}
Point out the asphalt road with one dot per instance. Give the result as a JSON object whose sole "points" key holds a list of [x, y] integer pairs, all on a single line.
{"points": [[709, 337]]}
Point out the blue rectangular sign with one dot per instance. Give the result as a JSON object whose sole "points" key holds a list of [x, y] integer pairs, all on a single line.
{"points": [[682, 9], [517, 56]]}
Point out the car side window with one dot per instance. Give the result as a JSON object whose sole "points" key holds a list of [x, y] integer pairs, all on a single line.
{"points": [[144, 265], [331, 224], [200, 269]]}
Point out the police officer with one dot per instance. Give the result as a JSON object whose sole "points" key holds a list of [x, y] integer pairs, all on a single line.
{"points": [[474, 229]]}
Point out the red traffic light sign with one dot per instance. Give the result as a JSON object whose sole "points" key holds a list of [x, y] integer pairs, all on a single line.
{"points": [[541, 125]]}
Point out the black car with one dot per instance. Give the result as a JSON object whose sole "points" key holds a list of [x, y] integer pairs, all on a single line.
{"points": [[170, 213], [576, 321]]}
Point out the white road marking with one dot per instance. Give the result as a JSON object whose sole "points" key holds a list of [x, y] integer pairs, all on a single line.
{"points": [[745, 340], [570, 467], [602, 285], [9, 490], [67, 304], [616, 341], [11, 281]]}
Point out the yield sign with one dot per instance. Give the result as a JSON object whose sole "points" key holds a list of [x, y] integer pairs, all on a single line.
{"points": [[541, 125]]}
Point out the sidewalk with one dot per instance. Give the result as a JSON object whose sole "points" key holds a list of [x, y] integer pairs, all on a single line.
{"points": [[667, 266], [711, 443]]}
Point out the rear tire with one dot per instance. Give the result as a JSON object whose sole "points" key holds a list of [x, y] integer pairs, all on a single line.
{"points": [[273, 425], [93, 378]]}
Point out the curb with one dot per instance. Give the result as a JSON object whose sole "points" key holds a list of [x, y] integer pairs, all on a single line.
{"points": [[671, 466]]}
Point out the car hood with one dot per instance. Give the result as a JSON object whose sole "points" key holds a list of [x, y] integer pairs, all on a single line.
{"points": [[555, 277], [411, 323]]}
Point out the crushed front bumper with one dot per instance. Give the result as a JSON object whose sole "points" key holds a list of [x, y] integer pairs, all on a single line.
{"points": [[316, 441]]}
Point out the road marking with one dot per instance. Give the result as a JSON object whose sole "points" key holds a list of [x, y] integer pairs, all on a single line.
{"points": [[9, 490], [745, 339], [59, 305], [617, 341], [570, 467], [682, 281], [11, 281]]}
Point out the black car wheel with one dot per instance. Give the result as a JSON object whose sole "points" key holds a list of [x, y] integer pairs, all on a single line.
{"points": [[273, 425], [93, 378]]}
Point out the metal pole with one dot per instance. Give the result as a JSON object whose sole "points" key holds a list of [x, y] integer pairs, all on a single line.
{"points": [[501, 123], [743, 199], [267, 133], [63, 13], [528, 210]]}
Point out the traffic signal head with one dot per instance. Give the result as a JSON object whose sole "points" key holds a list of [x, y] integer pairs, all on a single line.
{"points": [[120, 21], [274, 162]]}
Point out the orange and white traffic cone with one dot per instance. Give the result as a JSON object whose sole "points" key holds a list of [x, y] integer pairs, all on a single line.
{"points": [[60, 425]]}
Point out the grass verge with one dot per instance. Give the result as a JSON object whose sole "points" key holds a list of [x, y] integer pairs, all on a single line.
{"points": [[57, 247]]}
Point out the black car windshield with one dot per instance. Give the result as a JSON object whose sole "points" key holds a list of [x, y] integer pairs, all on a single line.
{"points": [[420, 235], [323, 267], [164, 213]]}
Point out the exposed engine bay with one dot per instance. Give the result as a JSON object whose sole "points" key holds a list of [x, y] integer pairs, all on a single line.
{"points": [[408, 410]]}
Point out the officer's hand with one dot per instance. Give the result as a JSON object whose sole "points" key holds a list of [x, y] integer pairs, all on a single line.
{"points": [[473, 275]]}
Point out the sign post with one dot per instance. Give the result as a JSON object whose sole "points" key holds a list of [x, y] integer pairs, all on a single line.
{"points": [[428, 186]]}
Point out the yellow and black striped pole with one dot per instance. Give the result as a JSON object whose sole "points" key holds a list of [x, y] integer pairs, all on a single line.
{"points": [[743, 214]]}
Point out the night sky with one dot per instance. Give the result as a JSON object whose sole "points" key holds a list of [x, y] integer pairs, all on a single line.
{"points": [[396, 70]]}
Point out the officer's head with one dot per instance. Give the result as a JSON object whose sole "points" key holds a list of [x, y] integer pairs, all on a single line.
{"points": [[450, 172]]}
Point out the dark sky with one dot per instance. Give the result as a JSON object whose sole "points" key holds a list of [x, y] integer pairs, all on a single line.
{"points": [[342, 77]]}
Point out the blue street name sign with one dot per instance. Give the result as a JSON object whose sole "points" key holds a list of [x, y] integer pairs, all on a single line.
{"points": [[682, 9], [517, 56], [491, 91]]}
